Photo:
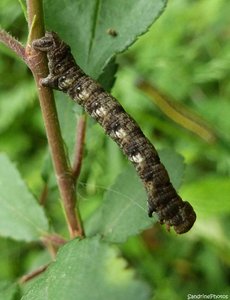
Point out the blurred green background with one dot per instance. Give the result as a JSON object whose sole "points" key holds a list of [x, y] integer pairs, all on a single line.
{"points": [[186, 54]]}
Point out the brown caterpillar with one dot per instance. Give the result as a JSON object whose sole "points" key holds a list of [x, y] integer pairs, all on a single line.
{"points": [[66, 76]]}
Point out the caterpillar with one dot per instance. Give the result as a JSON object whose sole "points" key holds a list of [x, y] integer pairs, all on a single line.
{"points": [[66, 76]]}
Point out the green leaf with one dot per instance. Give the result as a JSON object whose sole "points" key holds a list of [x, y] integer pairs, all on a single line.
{"points": [[210, 196], [21, 218], [9, 291], [123, 212], [14, 102], [23, 7], [174, 164], [9, 13], [88, 269], [107, 78], [88, 33], [68, 119]]}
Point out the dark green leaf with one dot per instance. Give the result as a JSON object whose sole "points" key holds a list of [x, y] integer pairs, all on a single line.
{"points": [[107, 78], [84, 25], [88, 270]]}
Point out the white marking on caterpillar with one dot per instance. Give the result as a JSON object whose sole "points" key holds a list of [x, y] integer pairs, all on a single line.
{"points": [[65, 82], [69, 81], [100, 112], [120, 133], [83, 95], [136, 158]]}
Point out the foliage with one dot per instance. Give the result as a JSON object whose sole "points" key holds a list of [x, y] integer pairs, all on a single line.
{"points": [[15, 200], [84, 264], [186, 55]]}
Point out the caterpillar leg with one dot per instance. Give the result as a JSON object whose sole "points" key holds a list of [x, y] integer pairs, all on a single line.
{"points": [[49, 81]]}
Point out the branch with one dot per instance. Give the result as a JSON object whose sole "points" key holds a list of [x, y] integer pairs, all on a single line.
{"points": [[52, 242], [13, 44], [38, 66], [80, 139], [54, 239], [33, 274], [43, 196]]}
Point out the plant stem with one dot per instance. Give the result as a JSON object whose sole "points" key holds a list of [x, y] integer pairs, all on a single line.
{"points": [[13, 44], [43, 195], [33, 274], [178, 113], [54, 239], [38, 65], [80, 139]]}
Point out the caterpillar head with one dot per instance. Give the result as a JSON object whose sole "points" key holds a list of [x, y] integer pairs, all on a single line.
{"points": [[47, 43]]}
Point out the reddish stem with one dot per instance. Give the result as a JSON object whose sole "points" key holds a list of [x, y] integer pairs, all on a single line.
{"points": [[43, 195], [13, 44], [33, 274], [54, 239], [80, 139], [38, 65]]}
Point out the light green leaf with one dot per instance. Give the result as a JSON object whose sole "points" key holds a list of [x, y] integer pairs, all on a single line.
{"points": [[9, 291], [88, 269], [14, 102], [68, 119], [9, 13], [88, 33], [23, 7], [174, 164], [210, 196], [123, 212], [21, 218]]}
